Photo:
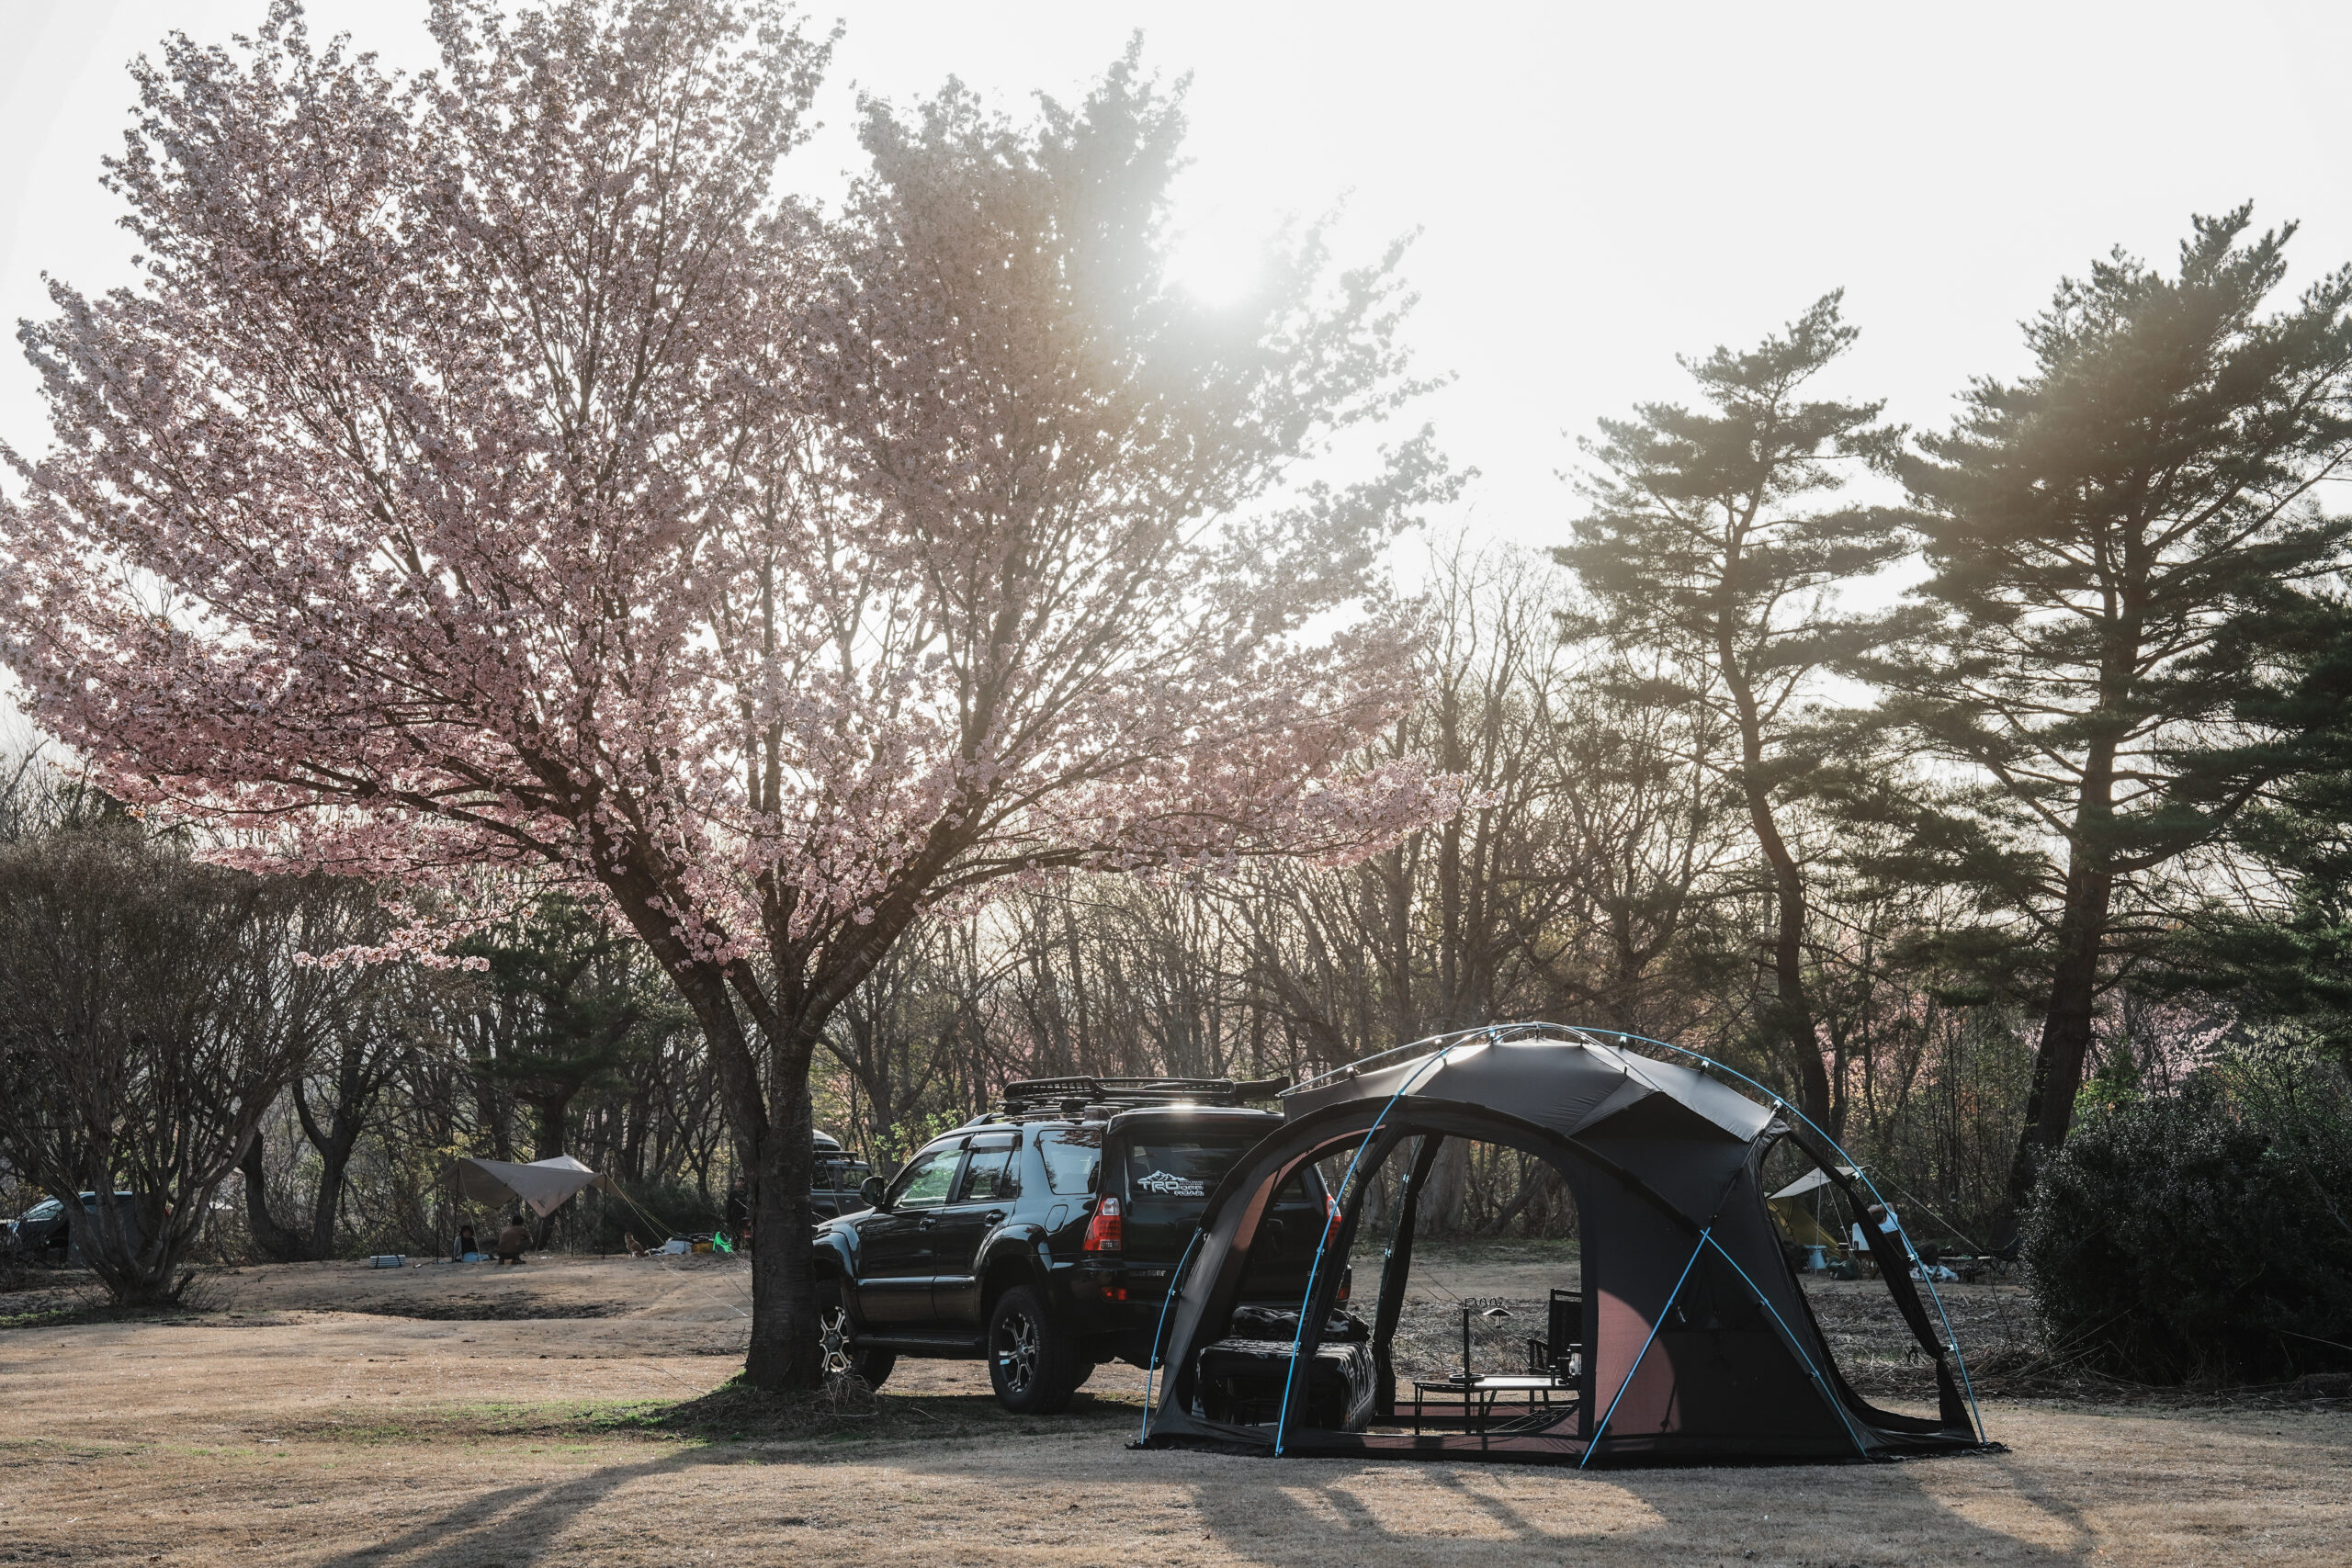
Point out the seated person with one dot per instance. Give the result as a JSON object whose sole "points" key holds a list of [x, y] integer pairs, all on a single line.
{"points": [[513, 1240], [466, 1247]]}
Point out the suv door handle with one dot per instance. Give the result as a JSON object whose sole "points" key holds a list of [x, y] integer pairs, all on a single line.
{"points": [[925, 1222], [994, 1216]]}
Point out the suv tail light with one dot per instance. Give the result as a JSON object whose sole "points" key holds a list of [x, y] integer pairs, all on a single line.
{"points": [[1331, 1225], [1106, 1230]]}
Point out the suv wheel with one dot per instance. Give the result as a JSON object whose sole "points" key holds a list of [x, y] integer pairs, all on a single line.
{"points": [[1030, 1359], [836, 1356]]}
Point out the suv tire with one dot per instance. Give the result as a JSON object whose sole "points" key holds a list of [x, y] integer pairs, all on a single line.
{"points": [[1031, 1359], [835, 1354]]}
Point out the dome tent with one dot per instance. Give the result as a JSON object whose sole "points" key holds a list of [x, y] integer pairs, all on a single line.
{"points": [[1698, 1344]]}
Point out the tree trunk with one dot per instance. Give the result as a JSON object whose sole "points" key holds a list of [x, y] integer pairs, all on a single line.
{"points": [[277, 1243], [2073, 984], [353, 1088], [783, 1349], [552, 1109], [1792, 1014], [1442, 1208], [326, 1208], [2066, 1030]]}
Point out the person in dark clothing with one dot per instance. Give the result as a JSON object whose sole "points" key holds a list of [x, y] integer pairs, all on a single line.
{"points": [[467, 1245], [513, 1240], [739, 1215]]}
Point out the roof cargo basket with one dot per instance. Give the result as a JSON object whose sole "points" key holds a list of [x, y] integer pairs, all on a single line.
{"points": [[1033, 1094]]}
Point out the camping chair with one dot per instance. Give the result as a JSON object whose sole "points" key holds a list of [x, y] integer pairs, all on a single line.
{"points": [[1556, 1353]]}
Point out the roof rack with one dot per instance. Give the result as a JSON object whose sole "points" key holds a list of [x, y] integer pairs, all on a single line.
{"points": [[1077, 1093]]}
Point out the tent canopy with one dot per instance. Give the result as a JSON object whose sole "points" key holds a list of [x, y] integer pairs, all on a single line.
{"points": [[1697, 1343], [544, 1184], [1811, 1181]]}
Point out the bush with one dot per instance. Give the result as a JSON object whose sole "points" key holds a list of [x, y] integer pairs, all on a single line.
{"points": [[2203, 1236]]}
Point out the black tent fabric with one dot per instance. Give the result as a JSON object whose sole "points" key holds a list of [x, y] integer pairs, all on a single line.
{"points": [[1699, 1346]]}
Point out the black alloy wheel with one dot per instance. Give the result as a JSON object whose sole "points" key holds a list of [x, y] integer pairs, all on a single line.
{"points": [[836, 1356], [1031, 1358]]}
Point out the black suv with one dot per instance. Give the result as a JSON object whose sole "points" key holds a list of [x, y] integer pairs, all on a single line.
{"points": [[1042, 1235], [834, 1184]]}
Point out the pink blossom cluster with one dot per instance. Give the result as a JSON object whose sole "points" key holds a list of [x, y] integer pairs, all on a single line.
{"points": [[493, 470]]}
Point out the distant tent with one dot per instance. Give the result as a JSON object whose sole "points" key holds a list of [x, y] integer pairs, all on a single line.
{"points": [[1798, 1215], [544, 1184]]}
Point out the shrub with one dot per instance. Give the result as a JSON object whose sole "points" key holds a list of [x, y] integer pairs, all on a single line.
{"points": [[2203, 1236]]}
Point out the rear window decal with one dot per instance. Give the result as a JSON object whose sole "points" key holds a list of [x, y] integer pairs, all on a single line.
{"points": [[1167, 1185]]}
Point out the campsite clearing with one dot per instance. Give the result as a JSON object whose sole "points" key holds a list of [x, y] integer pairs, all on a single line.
{"points": [[465, 1417]]}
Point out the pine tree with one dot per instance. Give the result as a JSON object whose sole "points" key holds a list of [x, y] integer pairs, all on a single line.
{"points": [[2119, 542], [1701, 550], [2279, 947]]}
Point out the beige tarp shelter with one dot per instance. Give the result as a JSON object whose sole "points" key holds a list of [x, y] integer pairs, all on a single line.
{"points": [[544, 1184], [1797, 1216]]}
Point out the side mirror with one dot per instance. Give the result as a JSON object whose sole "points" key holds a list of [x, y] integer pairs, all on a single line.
{"points": [[872, 1191]]}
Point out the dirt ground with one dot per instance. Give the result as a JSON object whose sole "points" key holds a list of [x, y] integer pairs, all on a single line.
{"points": [[467, 1416]]}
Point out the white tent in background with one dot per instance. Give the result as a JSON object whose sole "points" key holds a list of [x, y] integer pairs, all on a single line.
{"points": [[544, 1184]]}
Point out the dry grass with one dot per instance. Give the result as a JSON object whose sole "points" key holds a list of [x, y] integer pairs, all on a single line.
{"points": [[580, 1413]]}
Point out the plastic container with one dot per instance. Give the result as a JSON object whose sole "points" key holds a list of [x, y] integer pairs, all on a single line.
{"points": [[389, 1261]]}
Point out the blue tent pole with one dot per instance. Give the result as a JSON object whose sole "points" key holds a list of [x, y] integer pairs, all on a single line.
{"points": [[1655, 1323], [1175, 1283], [1281, 1417], [1819, 1381]]}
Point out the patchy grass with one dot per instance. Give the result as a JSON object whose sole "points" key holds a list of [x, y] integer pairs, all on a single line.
{"points": [[332, 1437], [85, 1313]]}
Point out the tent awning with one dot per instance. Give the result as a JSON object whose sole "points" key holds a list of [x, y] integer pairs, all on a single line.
{"points": [[1808, 1181], [544, 1184]]}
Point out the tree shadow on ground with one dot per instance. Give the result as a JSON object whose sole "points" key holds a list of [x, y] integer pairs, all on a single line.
{"points": [[1283, 1513]]}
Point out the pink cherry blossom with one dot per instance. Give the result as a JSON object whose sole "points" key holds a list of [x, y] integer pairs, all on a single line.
{"points": [[493, 470]]}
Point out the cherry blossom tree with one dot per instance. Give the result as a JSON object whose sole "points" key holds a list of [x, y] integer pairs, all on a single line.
{"points": [[494, 468]]}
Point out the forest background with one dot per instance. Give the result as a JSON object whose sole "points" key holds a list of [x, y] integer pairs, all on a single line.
{"points": [[1953, 782]]}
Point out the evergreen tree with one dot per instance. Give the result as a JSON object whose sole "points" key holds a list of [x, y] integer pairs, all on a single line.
{"points": [[569, 998], [1703, 549], [2121, 545], [2280, 950]]}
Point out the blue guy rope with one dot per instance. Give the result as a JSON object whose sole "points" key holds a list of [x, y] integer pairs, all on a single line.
{"points": [[1657, 1323], [1281, 1417]]}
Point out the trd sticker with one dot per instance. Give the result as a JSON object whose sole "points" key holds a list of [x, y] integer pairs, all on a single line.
{"points": [[1167, 1185]]}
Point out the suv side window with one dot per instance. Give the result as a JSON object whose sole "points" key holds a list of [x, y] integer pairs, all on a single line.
{"points": [[992, 1173], [1073, 1156], [923, 1184]]}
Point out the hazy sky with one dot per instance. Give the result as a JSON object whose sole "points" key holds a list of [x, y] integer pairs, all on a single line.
{"points": [[1597, 187]]}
